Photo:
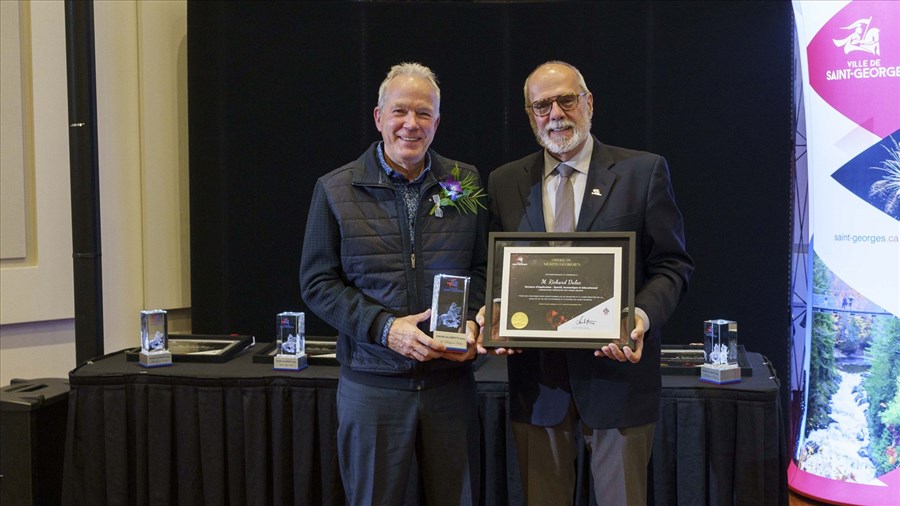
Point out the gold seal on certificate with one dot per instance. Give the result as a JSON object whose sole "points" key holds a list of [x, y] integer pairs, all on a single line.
{"points": [[449, 300], [519, 320]]}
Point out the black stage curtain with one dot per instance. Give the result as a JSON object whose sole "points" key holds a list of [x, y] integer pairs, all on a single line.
{"points": [[282, 92]]}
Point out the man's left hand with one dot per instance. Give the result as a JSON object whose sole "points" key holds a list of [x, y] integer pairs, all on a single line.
{"points": [[471, 345], [626, 353]]}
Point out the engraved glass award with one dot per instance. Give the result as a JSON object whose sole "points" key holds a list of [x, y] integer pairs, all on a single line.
{"points": [[154, 339], [449, 301], [720, 352], [290, 340]]}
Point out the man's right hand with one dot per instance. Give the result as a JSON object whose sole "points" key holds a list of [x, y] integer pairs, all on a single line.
{"points": [[405, 338]]}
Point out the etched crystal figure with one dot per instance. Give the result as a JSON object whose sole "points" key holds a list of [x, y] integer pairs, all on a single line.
{"points": [[154, 339], [290, 331]]}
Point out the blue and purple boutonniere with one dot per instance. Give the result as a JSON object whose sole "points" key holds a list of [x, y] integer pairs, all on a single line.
{"points": [[464, 195]]}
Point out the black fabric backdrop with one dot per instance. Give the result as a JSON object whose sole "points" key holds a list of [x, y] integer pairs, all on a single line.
{"points": [[282, 92]]}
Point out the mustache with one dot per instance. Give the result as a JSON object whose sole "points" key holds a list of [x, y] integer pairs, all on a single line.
{"points": [[557, 124]]}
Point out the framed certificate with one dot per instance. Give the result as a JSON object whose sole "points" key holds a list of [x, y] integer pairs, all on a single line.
{"points": [[202, 348], [559, 290]]}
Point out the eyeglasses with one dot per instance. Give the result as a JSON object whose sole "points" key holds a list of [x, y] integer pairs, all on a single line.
{"points": [[565, 102]]}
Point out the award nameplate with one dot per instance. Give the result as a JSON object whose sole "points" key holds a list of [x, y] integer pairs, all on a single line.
{"points": [[154, 339], [720, 351], [290, 340], [560, 290], [449, 300]]}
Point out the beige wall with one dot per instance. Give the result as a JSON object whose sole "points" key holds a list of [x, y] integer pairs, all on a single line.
{"points": [[141, 61]]}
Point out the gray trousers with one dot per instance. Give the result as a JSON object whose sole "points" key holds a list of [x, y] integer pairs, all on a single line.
{"points": [[382, 433], [619, 459]]}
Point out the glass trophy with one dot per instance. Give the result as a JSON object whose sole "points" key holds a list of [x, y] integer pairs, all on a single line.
{"points": [[291, 342], [154, 339], [720, 352], [449, 301]]}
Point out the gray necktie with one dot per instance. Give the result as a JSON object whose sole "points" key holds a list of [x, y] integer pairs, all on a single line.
{"points": [[564, 217]]}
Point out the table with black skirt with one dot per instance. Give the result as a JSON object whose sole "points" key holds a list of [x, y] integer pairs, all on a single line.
{"points": [[240, 433]]}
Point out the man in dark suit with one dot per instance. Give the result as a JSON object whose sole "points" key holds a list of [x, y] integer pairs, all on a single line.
{"points": [[611, 394]]}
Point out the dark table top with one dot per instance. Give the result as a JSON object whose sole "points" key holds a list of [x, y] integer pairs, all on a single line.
{"points": [[490, 372]]}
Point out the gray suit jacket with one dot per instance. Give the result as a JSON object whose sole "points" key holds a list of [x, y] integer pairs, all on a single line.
{"points": [[635, 194]]}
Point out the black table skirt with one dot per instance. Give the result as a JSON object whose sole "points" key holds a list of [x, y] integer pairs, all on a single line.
{"points": [[241, 433]]}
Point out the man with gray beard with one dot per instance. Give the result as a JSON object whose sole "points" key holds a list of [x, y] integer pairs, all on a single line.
{"points": [[611, 394]]}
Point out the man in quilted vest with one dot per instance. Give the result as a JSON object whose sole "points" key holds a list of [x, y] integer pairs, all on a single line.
{"points": [[379, 229]]}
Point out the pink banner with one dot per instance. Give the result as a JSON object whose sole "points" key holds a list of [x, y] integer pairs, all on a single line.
{"points": [[854, 64], [848, 437]]}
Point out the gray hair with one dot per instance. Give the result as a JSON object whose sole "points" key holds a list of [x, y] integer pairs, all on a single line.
{"points": [[409, 69], [580, 77]]}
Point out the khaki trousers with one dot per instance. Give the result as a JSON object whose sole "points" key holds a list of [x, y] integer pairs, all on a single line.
{"points": [[619, 459]]}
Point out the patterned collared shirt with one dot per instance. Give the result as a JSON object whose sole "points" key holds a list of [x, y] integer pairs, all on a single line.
{"points": [[409, 190]]}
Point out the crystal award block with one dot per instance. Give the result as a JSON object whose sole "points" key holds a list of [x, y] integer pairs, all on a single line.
{"points": [[449, 301], [290, 339], [154, 339], [720, 352]]}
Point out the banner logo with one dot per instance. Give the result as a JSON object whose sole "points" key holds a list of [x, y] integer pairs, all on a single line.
{"points": [[863, 38]]}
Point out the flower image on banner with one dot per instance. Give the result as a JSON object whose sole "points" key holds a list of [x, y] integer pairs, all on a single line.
{"points": [[849, 436]]}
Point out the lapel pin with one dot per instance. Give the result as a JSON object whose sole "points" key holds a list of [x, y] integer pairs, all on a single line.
{"points": [[596, 191]]}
